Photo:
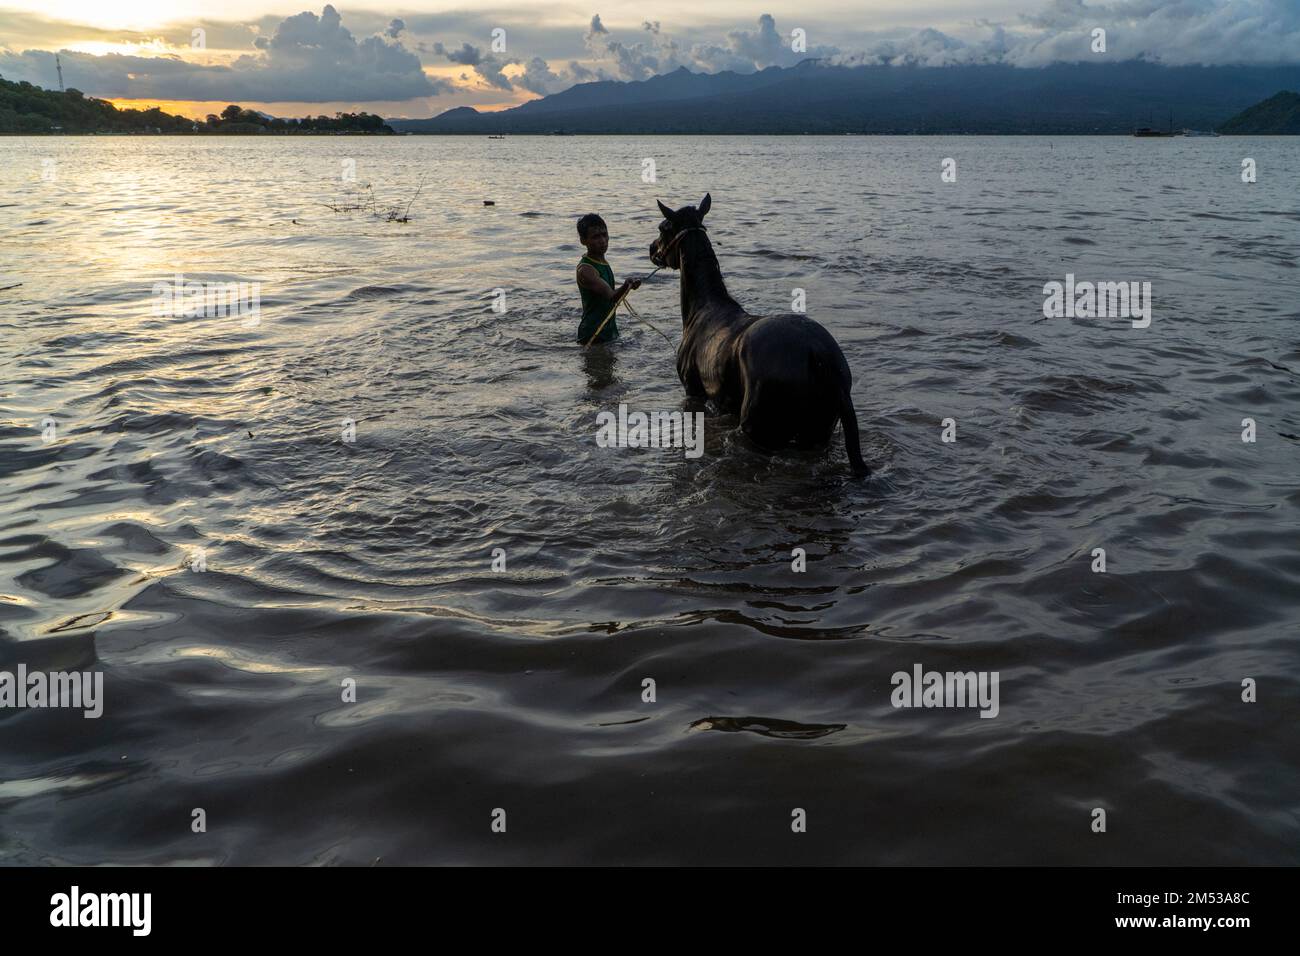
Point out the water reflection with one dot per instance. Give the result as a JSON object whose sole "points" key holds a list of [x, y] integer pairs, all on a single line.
{"points": [[600, 363]]}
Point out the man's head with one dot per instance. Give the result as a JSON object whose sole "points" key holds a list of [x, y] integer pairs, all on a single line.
{"points": [[593, 234]]}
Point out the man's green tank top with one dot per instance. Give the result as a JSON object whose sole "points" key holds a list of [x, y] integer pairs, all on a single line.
{"points": [[595, 309]]}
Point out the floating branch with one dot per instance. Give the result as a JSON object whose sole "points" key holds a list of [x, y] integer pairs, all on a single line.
{"points": [[364, 201]]}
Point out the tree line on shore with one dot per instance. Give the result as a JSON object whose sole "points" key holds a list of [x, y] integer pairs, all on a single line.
{"points": [[25, 108]]}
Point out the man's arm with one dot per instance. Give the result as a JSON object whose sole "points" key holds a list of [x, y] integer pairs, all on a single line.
{"points": [[590, 280]]}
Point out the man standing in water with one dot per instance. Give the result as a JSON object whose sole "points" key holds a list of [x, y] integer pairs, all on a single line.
{"points": [[596, 281]]}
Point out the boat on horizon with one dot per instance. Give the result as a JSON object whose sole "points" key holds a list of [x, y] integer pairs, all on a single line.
{"points": [[1150, 132]]}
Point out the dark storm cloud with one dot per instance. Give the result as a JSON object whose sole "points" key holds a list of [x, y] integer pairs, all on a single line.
{"points": [[1173, 32], [307, 58], [488, 66]]}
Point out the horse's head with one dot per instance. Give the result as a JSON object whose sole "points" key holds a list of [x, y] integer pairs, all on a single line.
{"points": [[665, 251]]}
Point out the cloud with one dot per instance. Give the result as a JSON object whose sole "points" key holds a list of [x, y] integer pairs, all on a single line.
{"points": [[743, 51], [581, 74], [539, 78], [308, 59], [1172, 32], [486, 65], [763, 48], [632, 61], [923, 48], [41, 32], [467, 55]]}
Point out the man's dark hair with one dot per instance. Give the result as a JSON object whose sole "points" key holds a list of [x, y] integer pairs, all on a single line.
{"points": [[587, 221]]}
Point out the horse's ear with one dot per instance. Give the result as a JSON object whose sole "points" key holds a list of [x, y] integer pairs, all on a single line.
{"points": [[668, 213], [705, 203]]}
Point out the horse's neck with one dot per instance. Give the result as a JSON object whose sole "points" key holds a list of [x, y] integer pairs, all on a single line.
{"points": [[702, 285]]}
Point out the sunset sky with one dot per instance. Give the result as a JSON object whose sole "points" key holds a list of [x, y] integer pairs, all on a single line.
{"points": [[415, 58]]}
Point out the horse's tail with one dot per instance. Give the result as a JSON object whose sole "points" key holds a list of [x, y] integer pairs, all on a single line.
{"points": [[839, 394]]}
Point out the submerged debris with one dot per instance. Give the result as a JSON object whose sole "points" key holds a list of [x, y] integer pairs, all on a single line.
{"points": [[363, 200]]}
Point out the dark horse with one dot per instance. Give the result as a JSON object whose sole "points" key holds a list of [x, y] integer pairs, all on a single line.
{"points": [[783, 374]]}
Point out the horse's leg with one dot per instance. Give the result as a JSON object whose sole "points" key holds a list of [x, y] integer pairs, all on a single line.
{"points": [[815, 432], [689, 374], [762, 412], [819, 404]]}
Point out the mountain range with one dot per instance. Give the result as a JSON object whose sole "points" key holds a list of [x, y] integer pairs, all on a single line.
{"points": [[818, 97]]}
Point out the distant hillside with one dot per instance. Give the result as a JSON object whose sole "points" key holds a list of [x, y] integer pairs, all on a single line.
{"points": [[29, 109], [1278, 114], [814, 97]]}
